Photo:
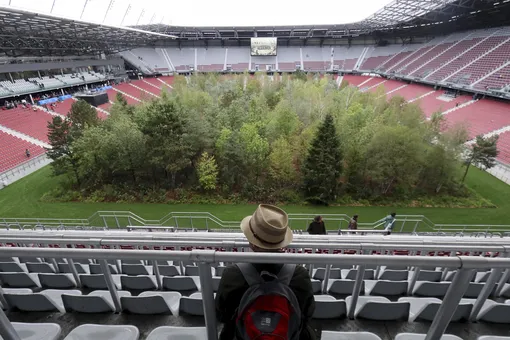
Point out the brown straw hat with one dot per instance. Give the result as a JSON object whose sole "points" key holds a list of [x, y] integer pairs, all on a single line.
{"points": [[267, 228]]}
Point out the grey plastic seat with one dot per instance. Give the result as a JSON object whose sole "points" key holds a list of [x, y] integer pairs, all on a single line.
{"points": [[474, 289], [80, 268], [327, 307], [427, 275], [152, 303], [379, 308], [37, 331], [431, 289], [178, 333], [40, 267], [25, 259], [216, 283], [166, 270], [15, 291], [399, 268], [450, 275], [97, 281], [426, 309], [123, 262], [413, 336], [350, 274], [394, 275], [386, 288], [136, 269], [181, 283], [329, 335], [320, 274], [343, 287], [316, 286], [57, 281], [219, 270], [103, 332], [493, 337], [20, 280], [192, 305], [49, 300], [492, 311], [96, 269], [11, 267], [141, 282], [98, 301], [193, 271]]}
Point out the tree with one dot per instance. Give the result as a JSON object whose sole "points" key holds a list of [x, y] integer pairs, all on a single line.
{"points": [[281, 163], [394, 159], [61, 152], [207, 171], [483, 152], [323, 165], [82, 116], [168, 143], [119, 98]]}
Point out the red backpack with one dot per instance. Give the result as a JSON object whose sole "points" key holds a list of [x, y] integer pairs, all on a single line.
{"points": [[269, 309]]}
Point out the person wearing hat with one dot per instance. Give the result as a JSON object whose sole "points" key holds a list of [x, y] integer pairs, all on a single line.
{"points": [[317, 227], [267, 230]]}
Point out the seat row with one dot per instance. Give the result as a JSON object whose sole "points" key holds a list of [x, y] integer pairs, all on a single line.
{"points": [[51, 331], [100, 301], [192, 283], [327, 307]]}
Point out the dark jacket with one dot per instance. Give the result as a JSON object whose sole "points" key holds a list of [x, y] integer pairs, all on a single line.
{"points": [[233, 286], [317, 228]]}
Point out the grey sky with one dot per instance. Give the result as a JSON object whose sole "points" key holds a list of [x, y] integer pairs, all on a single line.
{"points": [[210, 12]]}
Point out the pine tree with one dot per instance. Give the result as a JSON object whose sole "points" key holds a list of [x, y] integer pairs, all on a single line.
{"points": [[323, 165], [60, 138], [119, 98], [82, 115], [484, 152]]}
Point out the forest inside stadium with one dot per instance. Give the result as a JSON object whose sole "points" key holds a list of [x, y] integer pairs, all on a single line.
{"points": [[290, 139]]}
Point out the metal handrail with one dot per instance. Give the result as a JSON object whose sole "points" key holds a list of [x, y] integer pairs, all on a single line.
{"points": [[206, 221], [205, 258]]}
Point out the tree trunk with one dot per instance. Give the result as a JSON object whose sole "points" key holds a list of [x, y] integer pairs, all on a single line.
{"points": [[467, 169]]}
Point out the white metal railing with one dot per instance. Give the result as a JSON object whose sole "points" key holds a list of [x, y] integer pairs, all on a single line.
{"points": [[205, 258], [206, 221], [21, 168]]}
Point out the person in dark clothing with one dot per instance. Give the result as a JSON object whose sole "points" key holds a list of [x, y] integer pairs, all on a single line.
{"points": [[267, 231], [317, 227], [27, 153], [353, 223]]}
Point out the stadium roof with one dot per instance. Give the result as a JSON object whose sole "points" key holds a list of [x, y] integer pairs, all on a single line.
{"points": [[400, 15], [24, 33]]}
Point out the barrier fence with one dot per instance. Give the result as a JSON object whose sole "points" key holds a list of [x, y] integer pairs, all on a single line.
{"points": [[205, 258], [175, 221]]}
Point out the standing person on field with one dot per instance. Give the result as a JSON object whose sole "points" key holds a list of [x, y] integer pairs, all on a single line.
{"points": [[389, 222], [266, 301], [317, 227], [353, 223]]}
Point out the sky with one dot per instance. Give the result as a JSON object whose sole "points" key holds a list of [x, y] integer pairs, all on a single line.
{"points": [[207, 12]]}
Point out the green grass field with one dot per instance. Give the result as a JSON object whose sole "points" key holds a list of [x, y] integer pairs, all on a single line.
{"points": [[22, 199]]}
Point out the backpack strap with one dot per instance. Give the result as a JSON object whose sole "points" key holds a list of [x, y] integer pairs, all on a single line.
{"points": [[253, 277], [250, 274], [286, 273]]}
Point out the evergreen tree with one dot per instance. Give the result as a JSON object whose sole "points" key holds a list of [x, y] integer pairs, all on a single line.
{"points": [[484, 152], [82, 115], [60, 138], [323, 165], [119, 98]]}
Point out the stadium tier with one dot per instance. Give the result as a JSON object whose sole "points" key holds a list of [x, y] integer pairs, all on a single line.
{"points": [[12, 151]]}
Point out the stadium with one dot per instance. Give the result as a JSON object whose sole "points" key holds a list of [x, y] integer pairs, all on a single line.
{"points": [[130, 156]]}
